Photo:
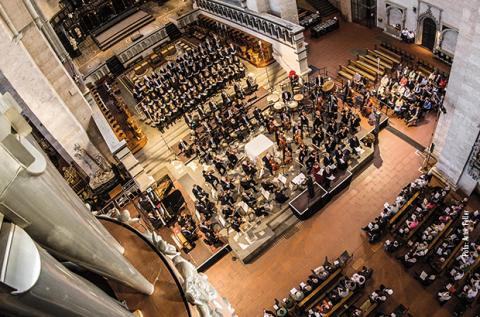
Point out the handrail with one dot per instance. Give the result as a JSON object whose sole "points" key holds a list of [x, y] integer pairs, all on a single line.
{"points": [[266, 24], [160, 255]]}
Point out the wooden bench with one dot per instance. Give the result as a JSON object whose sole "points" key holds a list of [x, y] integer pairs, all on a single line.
{"points": [[362, 68], [362, 72], [347, 70], [393, 59], [332, 311], [376, 55], [433, 243], [389, 52], [420, 223], [362, 58], [368, 307], [372, 70], [402, 210], [455, 252], [310, 301], [374, 60], [345, 75], [426, 72]]}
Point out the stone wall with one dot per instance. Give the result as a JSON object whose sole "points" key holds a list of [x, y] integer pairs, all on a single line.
{"points": [[458, 129], [408, 13], [32, 68]]}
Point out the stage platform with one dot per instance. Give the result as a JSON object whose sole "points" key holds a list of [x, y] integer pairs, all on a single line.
{"points": [[246, 247], [303, 207], [120, 27], [249, 246]]}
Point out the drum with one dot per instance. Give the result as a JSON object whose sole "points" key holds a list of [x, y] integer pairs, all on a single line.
{"points": [[292, 105], [328, 86], [273, 98], [279, 106], [298, 98]]}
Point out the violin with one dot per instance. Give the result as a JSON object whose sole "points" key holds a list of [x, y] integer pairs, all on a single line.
{"points": [[298, 137], [274, 164], [282, 142], [287, 157]]}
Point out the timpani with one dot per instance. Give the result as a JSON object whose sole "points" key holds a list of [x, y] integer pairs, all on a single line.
{"points": [[279, 106], [299, 98], [273, 98], [292, 106]]}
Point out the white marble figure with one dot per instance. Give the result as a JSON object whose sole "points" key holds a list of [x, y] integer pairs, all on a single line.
{"points": [[198, 290]]}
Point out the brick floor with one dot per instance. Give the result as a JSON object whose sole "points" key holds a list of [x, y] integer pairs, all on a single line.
{"points": [[250, 288]]}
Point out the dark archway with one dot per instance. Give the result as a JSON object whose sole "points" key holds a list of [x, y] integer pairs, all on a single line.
{"points": [[429, 30]]}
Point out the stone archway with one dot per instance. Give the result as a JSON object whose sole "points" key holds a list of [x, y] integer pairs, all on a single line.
{"points": [[429, 33], [432, 23]]}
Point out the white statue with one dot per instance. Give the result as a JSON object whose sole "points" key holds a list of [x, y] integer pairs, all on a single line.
{"points": [[198, 290]]}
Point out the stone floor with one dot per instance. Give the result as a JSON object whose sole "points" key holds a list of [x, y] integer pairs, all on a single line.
{"points": [[250, 288]]}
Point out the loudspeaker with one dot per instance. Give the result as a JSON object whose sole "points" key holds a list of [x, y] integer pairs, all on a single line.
{"points": [[115, 66]]}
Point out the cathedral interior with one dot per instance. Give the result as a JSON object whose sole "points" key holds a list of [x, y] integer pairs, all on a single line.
{"points": [[222, 158]]}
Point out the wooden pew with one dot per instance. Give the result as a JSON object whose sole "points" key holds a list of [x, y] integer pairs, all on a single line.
{"points": [[440, 267], [372, 70], [421, 223], [388, 52], [437, 239], [345, 74], [362, 68], [402, 210], [384, 58], [392, 58], [347, 70], [332, 311], [310, 300], [362, 72], [371, 63], [426, 72], [368, 307], [386, 65]]}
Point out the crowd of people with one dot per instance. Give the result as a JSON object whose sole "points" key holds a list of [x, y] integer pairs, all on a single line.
{"points": [[463, 277], [376, 228], [411, 94], [185, 84], [420, 248], [405, 91], [341, 290], [407, 36]]}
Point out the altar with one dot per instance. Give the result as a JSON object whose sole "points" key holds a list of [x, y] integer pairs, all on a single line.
{"points": [[258, 147]]}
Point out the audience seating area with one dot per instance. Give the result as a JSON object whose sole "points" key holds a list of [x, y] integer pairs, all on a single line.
{"points": [[371, 65], [437, 240], [329, 291]]}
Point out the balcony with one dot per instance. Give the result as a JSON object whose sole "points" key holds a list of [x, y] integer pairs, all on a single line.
{"points": [[266, 24]]}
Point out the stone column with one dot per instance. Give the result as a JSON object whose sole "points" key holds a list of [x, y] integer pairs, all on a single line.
{"points": [[286, 8], [346, 9], [258, 6], [40, 79], [458, 129]]}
